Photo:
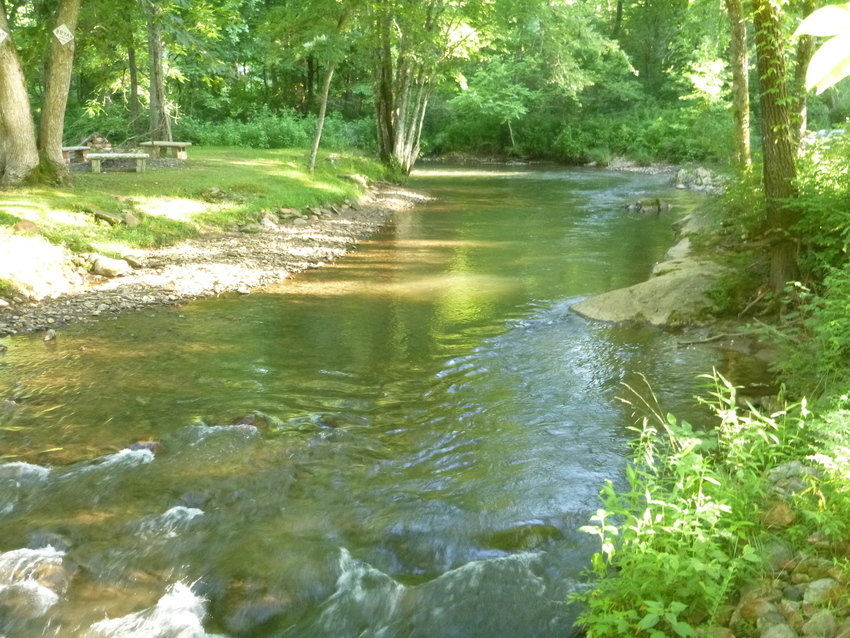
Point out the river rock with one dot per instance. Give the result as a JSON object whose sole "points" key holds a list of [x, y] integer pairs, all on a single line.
{"points": [[251, 616], [778, 516], [681, 250], [130, 219], [25, 227], [780, 555], [108, 267], [110, 218], [821, 625], [779, 631], [25, 600], [821, 591], [844, 630], [676, 295], [523, 537]]}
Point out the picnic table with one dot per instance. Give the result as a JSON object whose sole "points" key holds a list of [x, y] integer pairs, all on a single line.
{"points": [[141, 160], [178, 148], [78, 151]]}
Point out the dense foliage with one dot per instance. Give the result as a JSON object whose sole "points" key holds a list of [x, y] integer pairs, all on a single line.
{"points": [[577, 82]]}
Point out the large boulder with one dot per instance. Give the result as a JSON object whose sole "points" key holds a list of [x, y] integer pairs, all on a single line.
{"points": [[676, 295], [35, 267]]}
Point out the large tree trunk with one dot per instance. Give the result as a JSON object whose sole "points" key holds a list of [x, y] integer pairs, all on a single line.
{"points": [[21, 150], [778, 146], [740, 82], [320, 123], [805, 50], [160, 126], [57, 84]]}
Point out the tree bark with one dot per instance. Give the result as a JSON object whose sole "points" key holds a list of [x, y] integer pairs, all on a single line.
{"points": [[740, 83], [320, 122], [805, 50], [777, 141], [160, 125], [384, 103], [2, 144], [21, 149], [135, 105], [57, 85], [618, 21]]}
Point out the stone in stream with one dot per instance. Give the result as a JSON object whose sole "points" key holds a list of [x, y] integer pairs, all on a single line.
{"points": [[24, 601], [522, 537], [108, 267]]}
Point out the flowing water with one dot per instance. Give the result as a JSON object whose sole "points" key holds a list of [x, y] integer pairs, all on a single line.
{"points": [[402, 444]]}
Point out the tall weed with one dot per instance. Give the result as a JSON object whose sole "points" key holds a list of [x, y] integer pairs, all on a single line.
{"points": [[675, 543]]}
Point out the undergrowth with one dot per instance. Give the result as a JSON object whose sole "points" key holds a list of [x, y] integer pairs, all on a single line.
{"points": [[677, 542]]}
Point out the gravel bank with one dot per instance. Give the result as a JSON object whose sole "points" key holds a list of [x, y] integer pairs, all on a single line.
{"points": [[238, 261]]}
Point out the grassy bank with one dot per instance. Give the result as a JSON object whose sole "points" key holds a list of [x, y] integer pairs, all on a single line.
{"points": [[174, 203]]}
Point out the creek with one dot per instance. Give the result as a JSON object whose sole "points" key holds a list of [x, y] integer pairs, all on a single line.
{"points": [[401, 444]]}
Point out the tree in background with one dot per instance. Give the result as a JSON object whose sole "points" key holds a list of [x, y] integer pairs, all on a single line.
{"points": [[740, 82]]}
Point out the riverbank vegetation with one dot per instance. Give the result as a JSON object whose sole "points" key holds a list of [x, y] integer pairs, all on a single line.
{"points": [[220, 188]]}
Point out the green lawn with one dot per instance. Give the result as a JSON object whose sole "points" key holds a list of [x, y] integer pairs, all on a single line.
{"points": [[169, 202]]}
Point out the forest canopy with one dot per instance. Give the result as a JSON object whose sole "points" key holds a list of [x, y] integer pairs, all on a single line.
{"points": [[577, 80]]}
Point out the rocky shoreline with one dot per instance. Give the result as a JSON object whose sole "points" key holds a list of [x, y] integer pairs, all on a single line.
{"points": [[239, 261]]}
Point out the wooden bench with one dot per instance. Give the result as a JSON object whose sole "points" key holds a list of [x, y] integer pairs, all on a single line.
{"points": [[178, 148], [141, 160], [78, 151]]}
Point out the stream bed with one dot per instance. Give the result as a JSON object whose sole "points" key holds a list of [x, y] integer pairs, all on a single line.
{"points": [[402, 444]]}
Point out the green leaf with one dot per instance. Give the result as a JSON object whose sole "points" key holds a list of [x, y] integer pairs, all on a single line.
{"points": [[830, 63], [683, 629], [649, 621], [826, 21]]}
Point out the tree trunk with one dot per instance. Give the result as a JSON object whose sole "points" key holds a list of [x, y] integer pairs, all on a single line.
{"points": [[618, 21], [57, 85], [384, 102], [740, 83], [805, 50], [21, 149], [160, 126], [778, 146], [2, 144], [135, 105], [320, 123]]}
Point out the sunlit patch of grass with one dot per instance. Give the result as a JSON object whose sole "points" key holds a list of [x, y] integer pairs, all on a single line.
{"points": [[170, 203]]}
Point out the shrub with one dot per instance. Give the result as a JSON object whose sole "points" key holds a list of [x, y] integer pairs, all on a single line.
{"points": [[675, 543]]}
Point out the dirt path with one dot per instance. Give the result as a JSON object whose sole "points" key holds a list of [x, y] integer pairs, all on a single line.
{"points": [[215, 264]]}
